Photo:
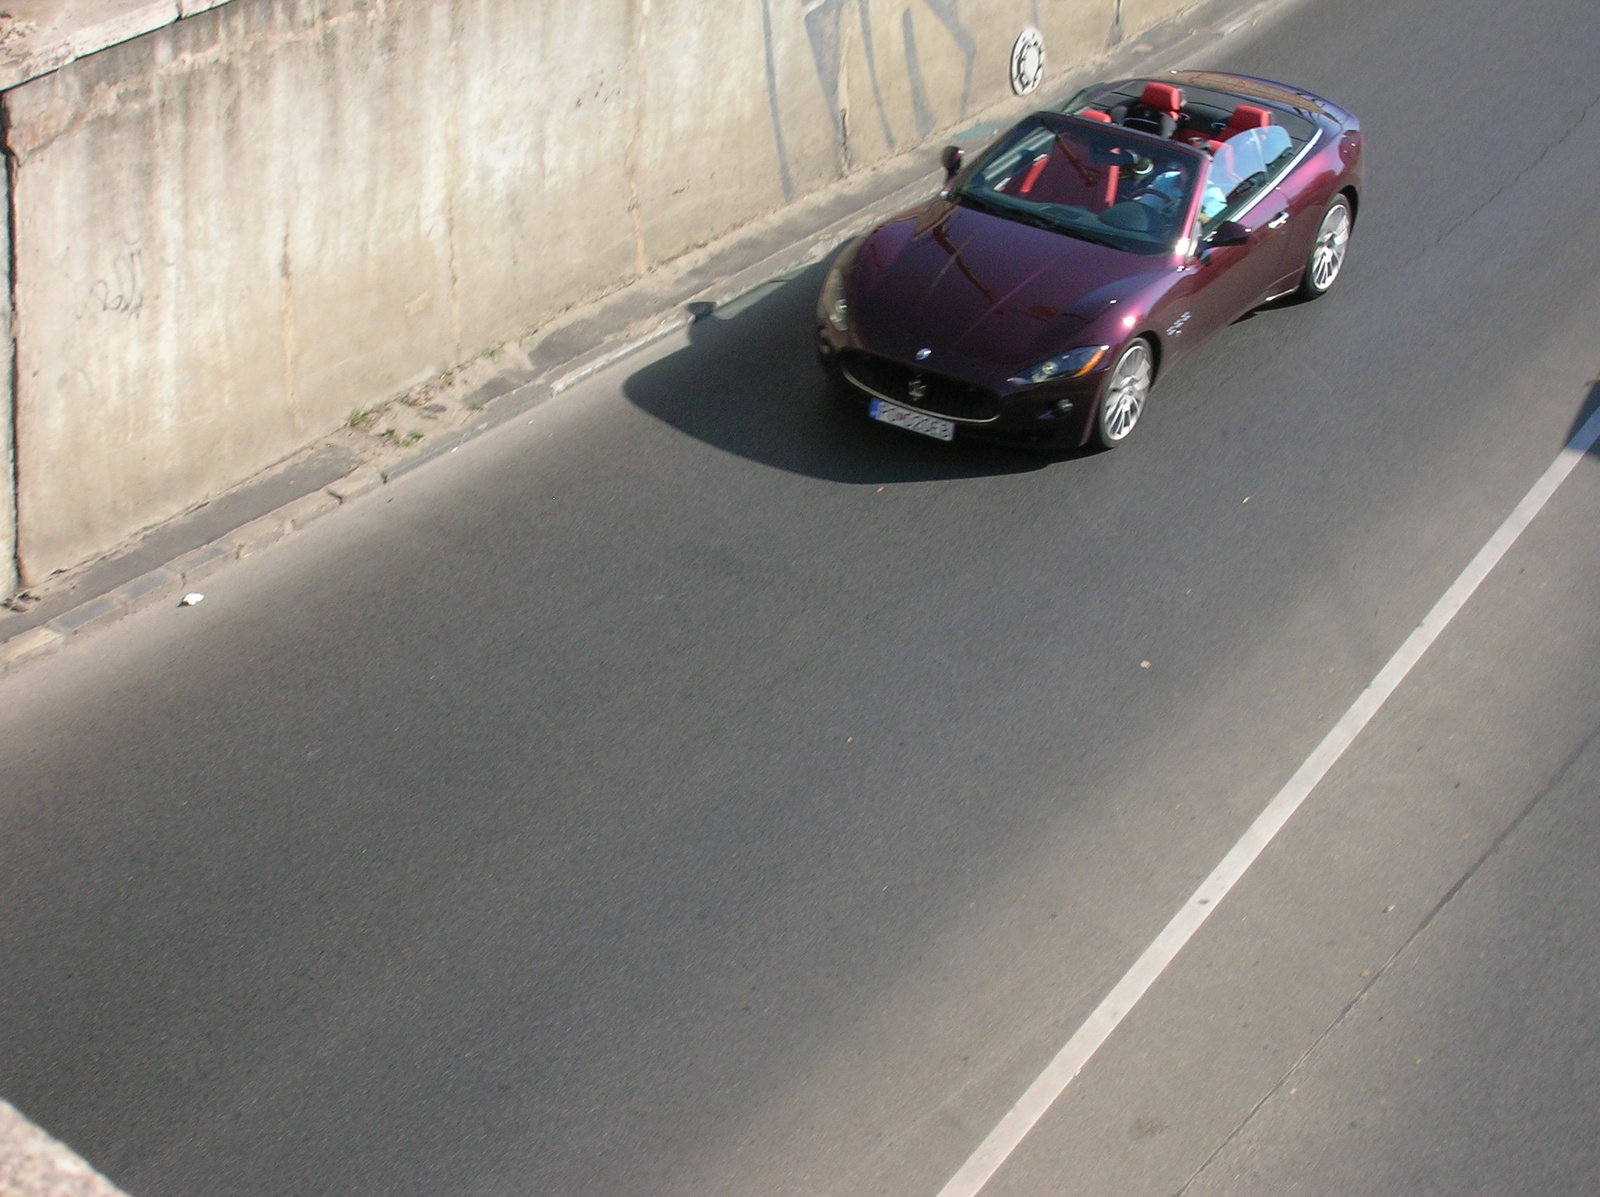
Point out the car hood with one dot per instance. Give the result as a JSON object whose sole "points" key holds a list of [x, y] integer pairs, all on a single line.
{"points": [[980, 287]]}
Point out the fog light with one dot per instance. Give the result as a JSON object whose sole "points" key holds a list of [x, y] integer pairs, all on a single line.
{"points": [[1063, 405]]}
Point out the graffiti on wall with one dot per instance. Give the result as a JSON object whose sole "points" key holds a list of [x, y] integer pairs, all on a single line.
{"points": [[825, 30], [121, 291]]}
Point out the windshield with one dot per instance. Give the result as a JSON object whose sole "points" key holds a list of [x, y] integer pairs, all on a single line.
{"points": [[1078, 179]]}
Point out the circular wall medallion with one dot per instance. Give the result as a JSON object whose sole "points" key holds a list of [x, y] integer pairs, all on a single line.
{"points": [[1027, 61]]}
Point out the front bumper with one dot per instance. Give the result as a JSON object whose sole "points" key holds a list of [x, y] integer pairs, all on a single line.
{"points": [[1058, 413]]}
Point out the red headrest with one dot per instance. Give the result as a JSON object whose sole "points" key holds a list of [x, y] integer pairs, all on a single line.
{"points": [[1090, 114], [1163, 97], [1247, 116]]}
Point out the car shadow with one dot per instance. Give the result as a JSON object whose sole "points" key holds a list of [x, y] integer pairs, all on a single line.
{"points": [[748, 383], [1586, 411]]}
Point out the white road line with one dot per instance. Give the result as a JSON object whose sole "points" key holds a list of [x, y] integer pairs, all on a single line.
{"points": [[983, 1163]]}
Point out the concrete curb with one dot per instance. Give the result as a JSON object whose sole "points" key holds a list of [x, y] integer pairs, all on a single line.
{"points": [[33, 1164], [184, 571]]}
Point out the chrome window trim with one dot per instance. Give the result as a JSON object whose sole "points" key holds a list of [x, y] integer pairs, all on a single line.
{"points": [[1266, 190]]}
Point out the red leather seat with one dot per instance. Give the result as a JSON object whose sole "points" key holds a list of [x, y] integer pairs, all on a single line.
{"points": [[1158, 110], [1093, 114], [1163, 97], [1033, 173], [1062, 176], [1247, 116]]}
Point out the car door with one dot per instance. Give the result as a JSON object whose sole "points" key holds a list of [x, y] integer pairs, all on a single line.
{"points": [[1229, 280], [1219, 283], [1306, 194]]}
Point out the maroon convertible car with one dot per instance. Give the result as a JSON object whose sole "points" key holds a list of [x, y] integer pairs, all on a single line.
{"points": [[1038, 296]]}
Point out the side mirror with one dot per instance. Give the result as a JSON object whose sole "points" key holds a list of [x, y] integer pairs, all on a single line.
{"points": [[1229, 232], [951, 158]]}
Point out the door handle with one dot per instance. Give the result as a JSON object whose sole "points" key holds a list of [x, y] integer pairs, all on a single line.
{"points": [[1278, 221]]}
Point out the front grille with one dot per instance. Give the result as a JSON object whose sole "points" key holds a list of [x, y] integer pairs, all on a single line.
{"points": [[935, 394]]}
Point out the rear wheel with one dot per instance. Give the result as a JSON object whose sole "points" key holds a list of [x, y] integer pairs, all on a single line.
{"points": [[1127, 387], [1328, 250]]}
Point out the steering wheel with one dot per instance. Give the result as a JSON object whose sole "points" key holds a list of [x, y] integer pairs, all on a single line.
{"points": [[1152, 197]]}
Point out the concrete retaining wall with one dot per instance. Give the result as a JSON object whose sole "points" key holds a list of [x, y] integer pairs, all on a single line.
{"points": [[233, 230], [8, 478]]}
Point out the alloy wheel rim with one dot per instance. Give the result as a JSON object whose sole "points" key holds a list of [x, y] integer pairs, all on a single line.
{"points": [[1126, 394], [1332, 240]]}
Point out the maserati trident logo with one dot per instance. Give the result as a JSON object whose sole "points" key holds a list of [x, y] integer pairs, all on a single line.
{"points": [[922, 354], [916, 389]]}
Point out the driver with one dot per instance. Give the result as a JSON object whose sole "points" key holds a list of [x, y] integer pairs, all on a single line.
{"points": [[1162, 193]]}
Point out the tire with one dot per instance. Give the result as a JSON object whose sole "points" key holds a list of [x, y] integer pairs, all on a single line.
{"points": [[1328, 251], [1127, 387]]}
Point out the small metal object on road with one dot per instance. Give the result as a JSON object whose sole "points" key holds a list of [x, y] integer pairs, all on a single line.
{"points": [[193, 598]]}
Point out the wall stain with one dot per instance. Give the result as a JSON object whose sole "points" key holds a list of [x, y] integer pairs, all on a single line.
{"points": [[641, 50], [945, 11], [823, 21], [290, 338], [921, 109], [772, 103]]}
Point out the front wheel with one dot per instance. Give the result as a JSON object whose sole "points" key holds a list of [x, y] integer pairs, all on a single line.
{"points": [[1328, 250], [1127, 387]]}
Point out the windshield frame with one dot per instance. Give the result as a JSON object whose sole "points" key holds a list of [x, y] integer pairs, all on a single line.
{"points": [[962, 190]]}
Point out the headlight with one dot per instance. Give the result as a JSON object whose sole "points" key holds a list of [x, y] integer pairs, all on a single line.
{"points": [[831, 305], [1074, 363]]}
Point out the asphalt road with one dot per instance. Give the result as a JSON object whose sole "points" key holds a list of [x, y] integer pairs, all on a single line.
{"points": [[693, 789]]}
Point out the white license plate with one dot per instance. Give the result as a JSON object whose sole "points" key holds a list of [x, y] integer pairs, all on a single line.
{"points": [[888, 413]]}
